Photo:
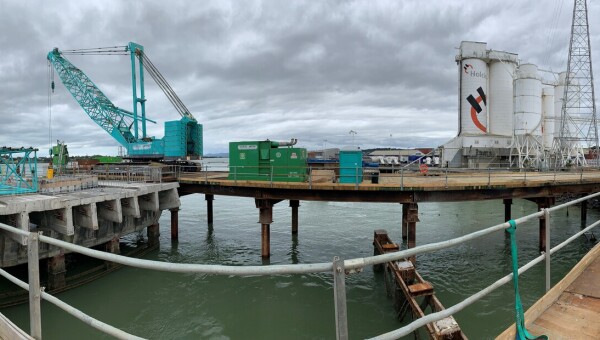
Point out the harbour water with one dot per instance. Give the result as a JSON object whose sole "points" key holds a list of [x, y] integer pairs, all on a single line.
{"points": [[160, 305]]}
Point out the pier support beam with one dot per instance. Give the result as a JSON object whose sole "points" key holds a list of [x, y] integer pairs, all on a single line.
{"points": [[543, 202], [294, 204], [404, 221], [56, 272], [153, 233], [507, 209], [112, 247], [265, 218], [584, 205], [209, 207], [412, 217], [174, 224]]}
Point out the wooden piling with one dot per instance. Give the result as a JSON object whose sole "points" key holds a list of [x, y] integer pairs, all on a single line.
{"points": [[209, 207], [412, 217], [404, 221], [174, 224], [584, 205], [507, 209], [56, 272], [112, 247], [294, 204], [153, 233], [265, 218]]}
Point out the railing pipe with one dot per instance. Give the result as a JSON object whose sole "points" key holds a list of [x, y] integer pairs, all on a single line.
{"points": [[573, 237], [573, 202]]}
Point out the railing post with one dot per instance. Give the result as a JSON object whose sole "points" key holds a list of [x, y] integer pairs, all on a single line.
{"points": [[235, 174], [489, 177], [446, 178], [339, 294], [402, 179], [33, 266], [548, 247], [356, 177], [310, 177], [581, 176], [271, 176]]}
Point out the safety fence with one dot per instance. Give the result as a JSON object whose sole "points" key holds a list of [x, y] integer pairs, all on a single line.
{"points": [[339, 268]]}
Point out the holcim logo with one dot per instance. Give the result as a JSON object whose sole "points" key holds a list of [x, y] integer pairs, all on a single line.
{"points": [[476, 108], [471, 71]]}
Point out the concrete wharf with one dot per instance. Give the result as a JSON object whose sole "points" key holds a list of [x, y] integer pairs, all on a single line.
{"points": [[571, 309], [89, 217], [409, 189]]}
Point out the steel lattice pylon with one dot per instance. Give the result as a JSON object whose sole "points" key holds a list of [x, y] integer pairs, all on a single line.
{"points": [[578, 129]]}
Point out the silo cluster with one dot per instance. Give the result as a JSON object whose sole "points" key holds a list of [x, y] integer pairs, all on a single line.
{"points": [[506, 110]]}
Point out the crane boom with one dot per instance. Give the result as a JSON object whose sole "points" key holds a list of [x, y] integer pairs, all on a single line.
{"points": [[114, 120], [183, 138]]}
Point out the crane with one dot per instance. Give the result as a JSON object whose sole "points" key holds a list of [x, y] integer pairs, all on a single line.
{"points": [[182, 139]]}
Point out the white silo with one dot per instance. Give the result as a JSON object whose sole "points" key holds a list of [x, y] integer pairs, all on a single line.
{"points": [[528, 101], [528, 142], [549, 118], [473, 89], [501, 97], [559, 94]]}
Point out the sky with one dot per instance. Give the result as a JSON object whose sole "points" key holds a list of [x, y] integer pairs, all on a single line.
{"points": [[256, 70]]}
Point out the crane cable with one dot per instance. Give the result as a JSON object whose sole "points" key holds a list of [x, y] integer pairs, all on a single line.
{"points": [[50, 92]]}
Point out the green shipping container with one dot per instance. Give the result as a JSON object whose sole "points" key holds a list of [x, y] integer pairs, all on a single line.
{"points": [[265, 161]]}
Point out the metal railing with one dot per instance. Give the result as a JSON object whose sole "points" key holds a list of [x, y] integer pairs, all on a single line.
{"points": [[400, 177], [339, 268]]}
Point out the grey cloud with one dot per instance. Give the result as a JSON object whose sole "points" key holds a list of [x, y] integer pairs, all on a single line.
{"points": [[270, 69]]}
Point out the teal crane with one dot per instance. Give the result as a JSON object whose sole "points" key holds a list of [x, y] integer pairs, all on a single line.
{"points": [[182, 139]]}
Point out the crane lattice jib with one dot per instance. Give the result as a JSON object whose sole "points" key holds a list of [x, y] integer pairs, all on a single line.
{"points": [[116, 121]]}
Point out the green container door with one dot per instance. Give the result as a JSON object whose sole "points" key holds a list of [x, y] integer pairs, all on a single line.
{"points": [[350, 166]]}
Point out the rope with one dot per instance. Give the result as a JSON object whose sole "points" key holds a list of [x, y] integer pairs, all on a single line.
{"points": [[522, 333]]}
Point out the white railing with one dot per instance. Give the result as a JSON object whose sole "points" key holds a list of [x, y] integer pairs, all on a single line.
{"points": [[338, 267]]}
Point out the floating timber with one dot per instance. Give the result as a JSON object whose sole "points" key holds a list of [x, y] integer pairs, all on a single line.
{"points": [[411, 293], [571, 309]]}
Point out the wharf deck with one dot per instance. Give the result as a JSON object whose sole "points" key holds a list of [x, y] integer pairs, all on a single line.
{"points": [[571, 309], [406, 187]]}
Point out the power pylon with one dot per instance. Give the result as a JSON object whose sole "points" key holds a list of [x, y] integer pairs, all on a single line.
{"points": [[578, 129]]}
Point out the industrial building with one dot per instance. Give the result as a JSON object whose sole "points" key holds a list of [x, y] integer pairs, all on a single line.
{"points": [[509, 115]]}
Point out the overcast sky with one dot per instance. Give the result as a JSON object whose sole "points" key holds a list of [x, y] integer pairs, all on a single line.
{"points": [[252, 70]]}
